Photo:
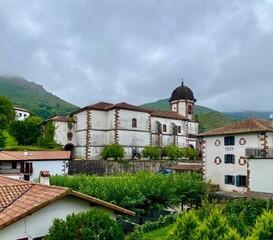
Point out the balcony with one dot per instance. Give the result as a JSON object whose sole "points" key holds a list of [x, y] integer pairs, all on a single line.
{"points": [[9, 171], [259, 152]]}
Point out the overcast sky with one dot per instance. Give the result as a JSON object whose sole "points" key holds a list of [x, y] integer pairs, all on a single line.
{"points": [[137, 51]]}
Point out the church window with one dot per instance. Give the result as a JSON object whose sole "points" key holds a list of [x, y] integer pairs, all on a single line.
{"points": [[189, 109], [134, 123], [179, 129], [164, 128]]}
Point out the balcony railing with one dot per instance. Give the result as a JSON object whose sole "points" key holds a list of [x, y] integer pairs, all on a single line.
{"points": [[9, 171], [259, 152]]}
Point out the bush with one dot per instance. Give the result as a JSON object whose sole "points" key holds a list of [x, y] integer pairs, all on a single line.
{"points": [[173, 152], [151, 152], [94, 224], [113, 151]]}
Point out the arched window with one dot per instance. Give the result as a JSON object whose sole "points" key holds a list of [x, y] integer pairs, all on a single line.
{"points": [[134, 123], [189, 109], [179, 129], [164, 128]]}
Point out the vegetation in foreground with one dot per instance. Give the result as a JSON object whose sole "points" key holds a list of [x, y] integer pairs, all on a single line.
{"points": [[143, 192], [250, 219], [92, 225]]}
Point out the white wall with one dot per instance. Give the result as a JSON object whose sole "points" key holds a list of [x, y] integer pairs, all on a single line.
{"points": [[261, 177], [54, 167], [21, 115], [216, 172], [38, 223]]}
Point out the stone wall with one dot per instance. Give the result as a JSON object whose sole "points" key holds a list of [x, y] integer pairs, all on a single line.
{"points": [[110, 167]]}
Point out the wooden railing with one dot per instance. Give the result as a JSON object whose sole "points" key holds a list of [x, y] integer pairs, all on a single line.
{"points": [[259, 152]]}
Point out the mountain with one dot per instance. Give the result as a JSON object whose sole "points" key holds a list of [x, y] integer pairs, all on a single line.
{"points": [[208, 118], [247, 114], [164, 104], [33, 97]]}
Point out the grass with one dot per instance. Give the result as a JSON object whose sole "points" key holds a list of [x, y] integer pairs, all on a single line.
{"points": [[161, 233]]}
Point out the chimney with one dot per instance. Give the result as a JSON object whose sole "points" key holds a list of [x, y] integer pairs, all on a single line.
{"points": [[44, 177]]}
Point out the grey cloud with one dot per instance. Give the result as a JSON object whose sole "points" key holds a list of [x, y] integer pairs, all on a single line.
{"points": [[138, 51]]}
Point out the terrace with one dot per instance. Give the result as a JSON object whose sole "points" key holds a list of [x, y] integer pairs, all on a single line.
{"points": [[259, 152]]}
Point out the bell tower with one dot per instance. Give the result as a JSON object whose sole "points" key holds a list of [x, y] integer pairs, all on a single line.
{"points": [[182, 101]]}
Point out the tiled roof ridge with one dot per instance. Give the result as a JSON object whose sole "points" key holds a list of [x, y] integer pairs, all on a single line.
{"points": [[259, 125], [258, 121]]}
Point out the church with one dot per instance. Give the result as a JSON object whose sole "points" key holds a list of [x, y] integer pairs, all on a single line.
{"points": [[89, 129]]}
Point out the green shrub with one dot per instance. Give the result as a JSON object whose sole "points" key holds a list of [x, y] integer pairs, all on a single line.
{"points": [[263, 228], [173, 152], [113, 151], [94, 224], [151, 152]]}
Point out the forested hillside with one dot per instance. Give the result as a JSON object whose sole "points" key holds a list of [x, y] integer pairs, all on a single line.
{"points": [[208, 119], [33, 97]]}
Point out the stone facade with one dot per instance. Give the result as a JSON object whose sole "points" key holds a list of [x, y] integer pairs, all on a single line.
{"points": [[132, 127]]}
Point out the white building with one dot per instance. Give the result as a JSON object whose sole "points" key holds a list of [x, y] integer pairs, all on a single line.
{"points": [[27, 210], [21, 113], [28, 164], [94, 126], [226, 151]]}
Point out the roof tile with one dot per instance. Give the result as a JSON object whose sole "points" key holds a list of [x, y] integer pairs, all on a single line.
{"points": [[245, 126]]}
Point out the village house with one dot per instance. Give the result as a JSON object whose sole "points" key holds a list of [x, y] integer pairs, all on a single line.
{"points": [[89, 129], [28, 164], [228, 151], [21, 113], [27, 210]]}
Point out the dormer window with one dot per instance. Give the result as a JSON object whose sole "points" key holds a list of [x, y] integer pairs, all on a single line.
{"points": [[134, 123]]}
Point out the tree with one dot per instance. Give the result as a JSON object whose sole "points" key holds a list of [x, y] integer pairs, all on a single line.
{"points": [[94, 224], [113, 151], [151, 152], [6, 112], [173, 151], [26, 132], [47, 140], [263, 228], [185, 226]]}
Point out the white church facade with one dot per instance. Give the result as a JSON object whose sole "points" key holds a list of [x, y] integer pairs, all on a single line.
{"points": [[90, 128]]}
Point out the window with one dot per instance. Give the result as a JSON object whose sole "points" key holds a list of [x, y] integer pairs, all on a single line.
{"points": [[230, 158], [134, 123], [229, 140], [229, 179], [164, 128], [189, 109], [179, 129], [241, 181], [14, 165]]}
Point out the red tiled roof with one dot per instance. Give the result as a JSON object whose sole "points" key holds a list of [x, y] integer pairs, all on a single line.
{"points": [[130, 107], [245, 126], [59, 119], [20, 109], [167, 114], [34, 155], [104, 106], [188, 167], [20, 198]]}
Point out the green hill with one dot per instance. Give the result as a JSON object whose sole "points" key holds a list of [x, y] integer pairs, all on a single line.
{"points": [[164, 104], [208, 118], [33, 97]]}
